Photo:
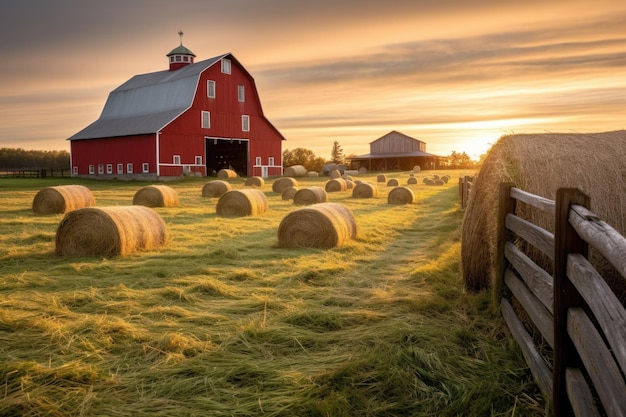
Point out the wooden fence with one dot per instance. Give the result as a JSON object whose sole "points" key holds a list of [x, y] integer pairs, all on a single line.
{"points": [[465, 187], [35, 173], [572, 308]]}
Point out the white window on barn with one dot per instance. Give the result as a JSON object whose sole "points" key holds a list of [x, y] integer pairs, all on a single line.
{"points": [[176, 159], [258, 160], [74, 170], [129, 168], [241, 93], [206, 120], [245, 123], [226, 66], [120, 168], [109, 168], [91, 170], [145, 167], [270, 161], [100, 169], [198, 160], [210, 89]]}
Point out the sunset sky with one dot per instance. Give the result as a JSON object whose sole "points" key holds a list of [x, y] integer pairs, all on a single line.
{"points": [[453, 73]]}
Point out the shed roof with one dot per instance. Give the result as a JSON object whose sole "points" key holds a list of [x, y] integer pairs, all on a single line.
{"points": [[148, 102], [396, 155]]}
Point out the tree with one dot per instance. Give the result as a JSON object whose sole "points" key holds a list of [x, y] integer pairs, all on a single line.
{"points": [[460, 160], [304, 157], [18, 158], [336, 154]]}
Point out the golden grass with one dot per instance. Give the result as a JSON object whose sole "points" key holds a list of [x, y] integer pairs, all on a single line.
{"points": [[223, 322]]}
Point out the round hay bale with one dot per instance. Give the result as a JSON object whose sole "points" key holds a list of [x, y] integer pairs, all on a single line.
{"points": [[401, 195], [312, 174], [240, 203], [336, 184], [416, 169], [109, 231], [254, 182], [411, 181], [310, 195], [324, 225], [295, 171], [381, 178], [156, 196], [62, 199], [393, 182], [347, 177], [226, 173], [349, 184], [541, 164], [445, 179], [439, 182], [364, 190], [335, 173], [215, 188], [435, 177], [362, 170], [284, 182], [428, 181], [425, 180], [288, 193]]}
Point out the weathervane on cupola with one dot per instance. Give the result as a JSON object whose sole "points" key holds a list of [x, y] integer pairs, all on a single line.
{"points": [[180, 56]]}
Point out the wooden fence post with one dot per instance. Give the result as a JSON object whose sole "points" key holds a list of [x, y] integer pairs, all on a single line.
{"points": [[566, 241], [506, 205]]}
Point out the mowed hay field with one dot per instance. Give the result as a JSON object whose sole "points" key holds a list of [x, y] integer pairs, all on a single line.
{"points": [[220, 321]]}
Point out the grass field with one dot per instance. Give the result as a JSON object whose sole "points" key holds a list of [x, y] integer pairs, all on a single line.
{"points": [[222, 322]]}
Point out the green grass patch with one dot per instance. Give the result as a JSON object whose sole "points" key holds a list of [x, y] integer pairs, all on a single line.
{"points": [[222, 322]]}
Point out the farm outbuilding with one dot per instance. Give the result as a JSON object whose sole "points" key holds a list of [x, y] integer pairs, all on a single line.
{"points": [[396, 151], [194, 118]]}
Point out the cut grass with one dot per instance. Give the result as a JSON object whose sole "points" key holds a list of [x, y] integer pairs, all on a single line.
{"points": [[223, 322]]}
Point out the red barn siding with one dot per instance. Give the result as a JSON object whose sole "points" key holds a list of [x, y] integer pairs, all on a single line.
{"points": [[136, 150]]}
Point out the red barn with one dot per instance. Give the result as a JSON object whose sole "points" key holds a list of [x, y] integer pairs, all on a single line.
{"points": [[193, 119]]}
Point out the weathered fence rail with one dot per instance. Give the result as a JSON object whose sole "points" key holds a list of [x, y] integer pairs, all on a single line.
{"points": [[465, 187], [577, 315]]}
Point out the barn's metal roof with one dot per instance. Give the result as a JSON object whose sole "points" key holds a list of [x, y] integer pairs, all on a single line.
{"points": [[148, 102]]}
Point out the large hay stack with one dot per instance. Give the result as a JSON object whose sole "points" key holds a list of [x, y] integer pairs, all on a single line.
{"points": [[156, 196], [323, 225], [254, 182], [284, 182], [215, 188], [541, 164], [401, 195], [62, 198], [336, 184], [310, 195], [109, 231], [226, 173], [240, 203], [295, 171], [364, 190]]}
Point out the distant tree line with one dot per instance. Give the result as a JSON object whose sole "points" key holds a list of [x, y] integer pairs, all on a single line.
{"points": [[17, 158]]}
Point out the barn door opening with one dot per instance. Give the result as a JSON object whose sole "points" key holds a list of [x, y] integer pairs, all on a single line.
{"points": [[226, 154]]}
